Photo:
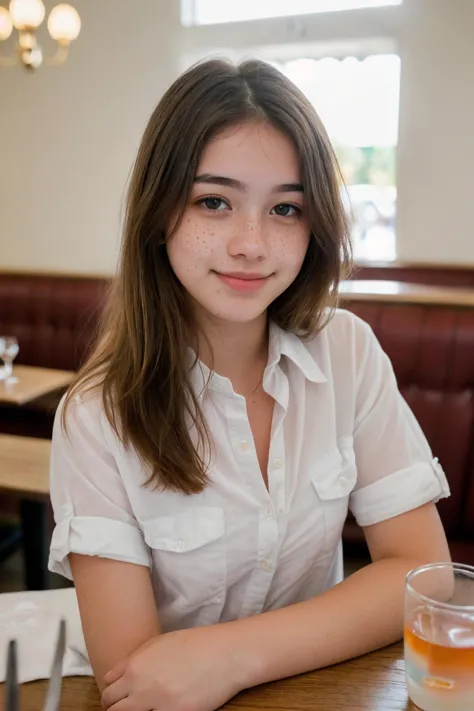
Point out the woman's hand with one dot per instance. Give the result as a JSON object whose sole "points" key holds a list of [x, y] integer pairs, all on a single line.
{"points": [[189, 670]]}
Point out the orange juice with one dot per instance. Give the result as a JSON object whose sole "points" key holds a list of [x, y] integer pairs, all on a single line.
{"points": [[439, 659]]}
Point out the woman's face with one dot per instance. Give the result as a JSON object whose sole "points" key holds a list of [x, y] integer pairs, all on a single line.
{"points": [[244, 233]]}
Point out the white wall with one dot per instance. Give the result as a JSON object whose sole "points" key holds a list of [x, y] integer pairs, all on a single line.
{"points": [[436, 133], [68, 135]]}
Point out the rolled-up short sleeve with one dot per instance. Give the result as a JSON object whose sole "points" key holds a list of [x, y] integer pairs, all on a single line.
{"points": [[396, 471], [92, 511]]}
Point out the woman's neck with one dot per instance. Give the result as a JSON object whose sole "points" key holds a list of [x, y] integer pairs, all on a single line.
{"points": [[238, 351]]}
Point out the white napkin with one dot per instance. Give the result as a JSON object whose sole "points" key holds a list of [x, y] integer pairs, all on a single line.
{"points": [[32, 618]]}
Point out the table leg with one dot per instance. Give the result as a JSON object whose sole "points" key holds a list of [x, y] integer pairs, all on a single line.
{"points": [[34, 521]]}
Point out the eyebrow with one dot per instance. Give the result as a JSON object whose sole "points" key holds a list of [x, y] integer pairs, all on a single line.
{"points": [[238, 185]]}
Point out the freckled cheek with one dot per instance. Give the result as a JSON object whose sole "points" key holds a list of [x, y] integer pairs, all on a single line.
{"points": [[193, 247], [290, 249], [195, 240]]}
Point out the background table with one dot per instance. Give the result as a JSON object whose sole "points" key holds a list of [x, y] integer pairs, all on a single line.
{"points": [[24, 473], [24, 462], [24, 466], [33, 383], [375, 682]]}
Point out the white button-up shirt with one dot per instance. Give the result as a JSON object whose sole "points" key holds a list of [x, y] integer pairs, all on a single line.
{"points": [[342, 438]]}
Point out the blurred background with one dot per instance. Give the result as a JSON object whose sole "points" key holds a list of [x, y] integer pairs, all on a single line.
{"points": [[393, 83], [391, 79]]}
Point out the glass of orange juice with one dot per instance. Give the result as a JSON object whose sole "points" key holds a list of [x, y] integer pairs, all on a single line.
{"points": [[439, 637]]}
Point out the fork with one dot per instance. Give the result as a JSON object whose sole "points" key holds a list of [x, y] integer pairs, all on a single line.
{"points": [[53, 694]]}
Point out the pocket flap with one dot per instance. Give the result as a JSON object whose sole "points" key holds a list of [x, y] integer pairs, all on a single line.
{"points": [[184, 531], [336, 476]]}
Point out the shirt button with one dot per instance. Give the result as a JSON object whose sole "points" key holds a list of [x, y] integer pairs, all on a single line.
{"points": [[266, 565], [243, 446], [268, 513], [281, 509], [277, 463]]}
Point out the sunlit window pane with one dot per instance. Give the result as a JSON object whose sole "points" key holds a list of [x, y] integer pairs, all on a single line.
{"points": [[357, 101], [209, 12]]}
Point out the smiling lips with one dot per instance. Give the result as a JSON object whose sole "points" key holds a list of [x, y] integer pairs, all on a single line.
{"points": [[241, 281]]}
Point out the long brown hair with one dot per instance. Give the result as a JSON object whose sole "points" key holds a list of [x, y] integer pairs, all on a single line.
{"points": [[141, 360]]}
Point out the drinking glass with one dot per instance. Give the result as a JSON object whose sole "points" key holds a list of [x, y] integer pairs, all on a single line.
{"points": [[439, 637], [8, 352]]}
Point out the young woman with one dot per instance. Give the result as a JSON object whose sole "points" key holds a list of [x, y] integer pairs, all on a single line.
{"points": [[204, 461]]}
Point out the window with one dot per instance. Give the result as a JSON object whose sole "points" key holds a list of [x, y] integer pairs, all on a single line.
{"points": [[210, 12], [351, 74], [357, 100]]}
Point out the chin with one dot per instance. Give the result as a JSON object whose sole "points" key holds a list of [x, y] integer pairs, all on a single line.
{"points": [[238, 318], [241, 313]]}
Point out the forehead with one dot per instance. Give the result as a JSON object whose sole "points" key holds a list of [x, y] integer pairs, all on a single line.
{"points": [[252, 152]]}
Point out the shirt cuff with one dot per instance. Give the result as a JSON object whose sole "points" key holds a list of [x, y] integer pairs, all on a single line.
{"points": [[399, 492], [95, 536]]}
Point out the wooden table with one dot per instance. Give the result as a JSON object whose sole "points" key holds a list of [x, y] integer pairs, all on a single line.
{"points": [[405, 293], [375, 682], [24, 466], [24, 472], [33, 383]]}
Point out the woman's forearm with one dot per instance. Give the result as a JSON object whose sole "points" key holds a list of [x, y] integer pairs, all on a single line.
{"points": [[118, 610], [363, 613]]}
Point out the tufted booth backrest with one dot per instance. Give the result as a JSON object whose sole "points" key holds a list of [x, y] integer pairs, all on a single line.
{"points": [[431, 347], [432, 351], [53, 317]]}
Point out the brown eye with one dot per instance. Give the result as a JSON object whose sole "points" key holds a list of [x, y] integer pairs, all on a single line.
{"points": [[214, 204], [286, 210]]}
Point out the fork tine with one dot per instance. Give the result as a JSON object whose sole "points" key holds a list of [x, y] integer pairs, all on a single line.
{"points": [[12, 692], [53, 695]]}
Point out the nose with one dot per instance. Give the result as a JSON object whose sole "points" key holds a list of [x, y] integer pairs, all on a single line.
{"points": [[248, 240]]}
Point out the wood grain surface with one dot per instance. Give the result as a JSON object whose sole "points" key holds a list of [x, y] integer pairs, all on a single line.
{"points": [[398, 292], [33, 383], [375, 682], [24, 466]]}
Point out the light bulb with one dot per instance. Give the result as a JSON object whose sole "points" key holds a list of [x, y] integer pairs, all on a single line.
{"points": [[6, 24], [27, 14], [64, 23]]}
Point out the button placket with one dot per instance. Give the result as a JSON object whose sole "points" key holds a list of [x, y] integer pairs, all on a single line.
{"points": [[268, 539], [239, 430], [277, 490], [262, 576], [276, 464]]}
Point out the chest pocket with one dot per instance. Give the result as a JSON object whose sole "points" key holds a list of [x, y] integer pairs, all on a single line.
{"points": [[189, 557], [333, 481]]}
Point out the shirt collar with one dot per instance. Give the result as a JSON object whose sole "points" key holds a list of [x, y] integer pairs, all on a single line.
{"points": [[281, 343], [284, 343], [202, 378]]}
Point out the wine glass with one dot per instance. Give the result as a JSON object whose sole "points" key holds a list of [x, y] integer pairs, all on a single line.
{"points": [[8, 352]]}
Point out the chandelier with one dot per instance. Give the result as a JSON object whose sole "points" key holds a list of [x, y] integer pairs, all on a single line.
{"points": [[25, 16]]}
